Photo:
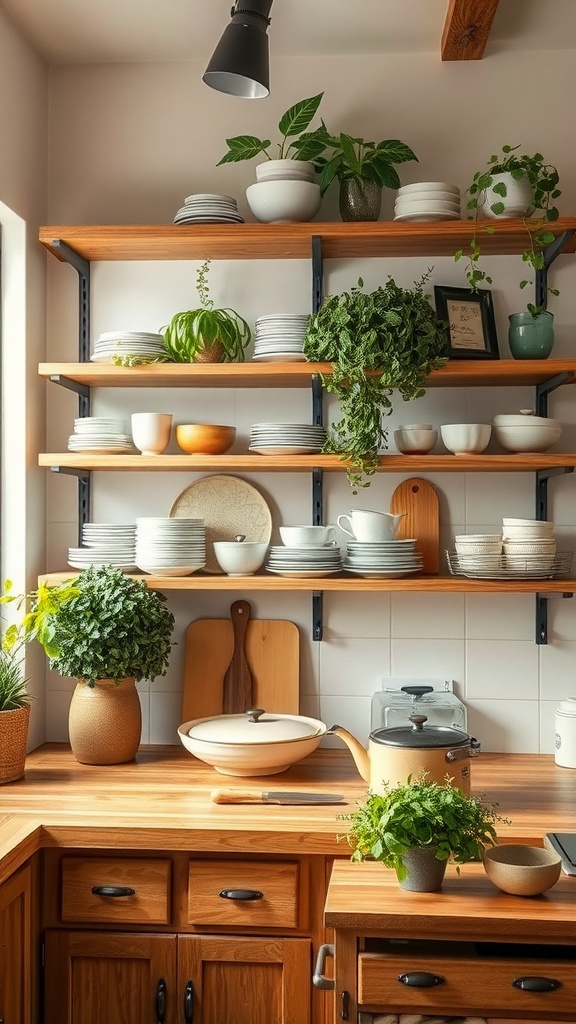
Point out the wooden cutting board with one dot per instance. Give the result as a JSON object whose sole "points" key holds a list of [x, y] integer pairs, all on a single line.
{"points": [[272, 650], [419, 502]]}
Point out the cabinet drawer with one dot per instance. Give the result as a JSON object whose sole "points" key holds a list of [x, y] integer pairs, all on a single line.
{"points": [[470, 986], [216, 890], [149, 903]]}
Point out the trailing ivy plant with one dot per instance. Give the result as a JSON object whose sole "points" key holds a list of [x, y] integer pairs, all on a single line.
{"points": [[378, 342]]}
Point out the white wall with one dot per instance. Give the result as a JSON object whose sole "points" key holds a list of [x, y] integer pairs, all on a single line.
{"points": [[128, 143], [23, 190]]}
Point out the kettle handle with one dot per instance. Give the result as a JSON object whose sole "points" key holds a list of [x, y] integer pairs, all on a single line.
{"points": [[472, 750]]}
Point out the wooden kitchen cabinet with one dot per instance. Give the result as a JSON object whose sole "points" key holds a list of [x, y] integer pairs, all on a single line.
{"points": [[19, 949]]}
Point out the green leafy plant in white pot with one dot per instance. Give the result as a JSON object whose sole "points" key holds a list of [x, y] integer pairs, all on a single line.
{"points": [[107, 631], [363, 169]]}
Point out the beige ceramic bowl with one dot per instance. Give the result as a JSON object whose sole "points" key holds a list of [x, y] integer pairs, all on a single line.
{"points": [[205, 438], [522, 870]]}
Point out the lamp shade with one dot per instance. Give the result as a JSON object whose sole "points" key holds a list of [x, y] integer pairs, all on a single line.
{"points": [[239, 65]]}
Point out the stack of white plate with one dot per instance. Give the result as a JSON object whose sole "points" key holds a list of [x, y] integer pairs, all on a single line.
{"points": [[100, 434], [280, 338], [386, 560], [127, 343], [208, 208], [305, 562], [170, 547], [286, 438], [105, 544], [426, 201]]}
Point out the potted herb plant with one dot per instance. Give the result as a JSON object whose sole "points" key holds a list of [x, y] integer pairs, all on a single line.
{"points": [[296, 148], [513, 185], [388, 339], [418, 827], [206, 335], [107, 631], [363, 169], [14, 703]]}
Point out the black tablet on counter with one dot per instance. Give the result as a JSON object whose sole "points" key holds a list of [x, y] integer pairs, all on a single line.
{"points": [[563, 843]]}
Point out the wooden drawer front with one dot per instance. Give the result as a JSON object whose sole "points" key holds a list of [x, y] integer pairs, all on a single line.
{"points": [[149, 878], [469, 987], [276, 880]]}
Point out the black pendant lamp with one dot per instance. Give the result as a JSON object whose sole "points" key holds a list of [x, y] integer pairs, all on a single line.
{"points": [[239, 65]]}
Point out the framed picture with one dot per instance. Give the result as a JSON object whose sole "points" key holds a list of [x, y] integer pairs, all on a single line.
{"points": [[470, 323]]}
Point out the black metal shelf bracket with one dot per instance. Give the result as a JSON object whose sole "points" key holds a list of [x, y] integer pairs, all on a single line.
{"points": [[546, 388], [542, 617], [317, 420], [550, 253], [317, 273], [317, 615], [542, 478], [82, 268]]}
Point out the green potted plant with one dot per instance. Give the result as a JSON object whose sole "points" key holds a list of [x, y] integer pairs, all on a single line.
{"points": [[513, 185], [296, 145], [206, 335], [388, 339], [418, 827], [363, 169], [14, 703], [107, 631]]}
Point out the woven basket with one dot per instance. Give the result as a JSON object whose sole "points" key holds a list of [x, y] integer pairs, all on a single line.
{"points": [[13, 737]]}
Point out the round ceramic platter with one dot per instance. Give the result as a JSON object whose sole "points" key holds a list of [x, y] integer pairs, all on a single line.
{"points": [[175, 570], [383, 545], [207, 196], [229, 506], [129, 335]]}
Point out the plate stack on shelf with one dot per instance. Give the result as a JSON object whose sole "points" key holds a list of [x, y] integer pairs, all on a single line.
{"points": [[280, 338], [209, 208], [105, 544], [385, 560], [304, 563], [170, 547], [286, 438], [100, 434], [427, 201], [525, 550], [121, 344]]}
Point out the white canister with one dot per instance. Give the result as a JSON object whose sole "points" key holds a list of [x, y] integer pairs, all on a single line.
{"points": [[565, 739]]}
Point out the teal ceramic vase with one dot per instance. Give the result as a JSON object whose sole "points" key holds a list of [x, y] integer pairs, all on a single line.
{"points": [[360, 199], [531, 337]]}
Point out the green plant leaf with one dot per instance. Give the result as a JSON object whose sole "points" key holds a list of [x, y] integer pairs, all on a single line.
{"points": [[349, 153], [395, 152], [243, 147], [297, 118]]}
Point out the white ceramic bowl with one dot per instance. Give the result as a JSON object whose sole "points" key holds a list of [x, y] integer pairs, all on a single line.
{"points": [[533, 434], [489, 548], [252, 744], [423, 205], [466, 438], [284, 202], [415, 440], [528, 532], [239, 558], [285, 170], [306, 536]]}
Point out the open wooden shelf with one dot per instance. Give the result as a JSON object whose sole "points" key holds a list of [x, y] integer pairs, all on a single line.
{"points": [[342, 583], [305, 463], [292, 241], [457, 373]]}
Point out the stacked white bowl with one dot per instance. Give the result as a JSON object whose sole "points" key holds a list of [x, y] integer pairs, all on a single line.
{"points": [[528, 544], [478, 552], [170, 547], [427, 201], [526, 432]]}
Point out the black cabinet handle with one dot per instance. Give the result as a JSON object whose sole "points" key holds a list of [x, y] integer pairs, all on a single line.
{"points": [[421, 979], [533, 983], [241, 894], [112, 890], [161, 1002], [189, 1003]]}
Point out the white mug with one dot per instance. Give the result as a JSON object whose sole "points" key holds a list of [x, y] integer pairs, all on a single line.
{"points": [[307, 536], [151, 431], [369, 527]]}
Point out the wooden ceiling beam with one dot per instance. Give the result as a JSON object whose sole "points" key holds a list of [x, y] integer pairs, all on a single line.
{"points": [[466, 29]]}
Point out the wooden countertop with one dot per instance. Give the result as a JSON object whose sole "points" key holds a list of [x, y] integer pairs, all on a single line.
{"points": [[162, 801]]}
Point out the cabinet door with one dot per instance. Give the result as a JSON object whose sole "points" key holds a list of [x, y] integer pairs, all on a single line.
{"points": [[16, 952], [103, 978], [244, 980]]}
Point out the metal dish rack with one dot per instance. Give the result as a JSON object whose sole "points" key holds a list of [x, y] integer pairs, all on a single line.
{"points": [[510, 567]]}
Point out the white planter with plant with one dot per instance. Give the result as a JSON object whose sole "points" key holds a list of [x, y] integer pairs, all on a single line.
{"points": [[107, 631]]}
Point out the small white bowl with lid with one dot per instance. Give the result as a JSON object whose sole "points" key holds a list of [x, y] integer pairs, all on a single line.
{"points": [[524, 433]]}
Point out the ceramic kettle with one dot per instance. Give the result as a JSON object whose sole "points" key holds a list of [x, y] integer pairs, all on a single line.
{"points": [[395, 753]]}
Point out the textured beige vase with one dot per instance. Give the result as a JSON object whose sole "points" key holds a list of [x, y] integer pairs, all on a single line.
{"points": [[105, 722], [13, 736]]}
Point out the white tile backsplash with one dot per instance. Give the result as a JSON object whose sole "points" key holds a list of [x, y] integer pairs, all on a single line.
{"points": [[428, 658], [437, 616], [557, 674], [507, 726], [501, 670], [350, 667], [500, 616]]}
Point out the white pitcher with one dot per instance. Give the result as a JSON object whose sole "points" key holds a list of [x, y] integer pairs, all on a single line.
{"points": [[370, 527]]}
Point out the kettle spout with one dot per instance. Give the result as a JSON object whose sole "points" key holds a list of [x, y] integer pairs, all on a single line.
{"points": [[359, 753]]}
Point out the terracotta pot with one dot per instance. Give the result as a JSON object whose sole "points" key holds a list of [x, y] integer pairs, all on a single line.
{"points": [[105, 722], [13, 737]]}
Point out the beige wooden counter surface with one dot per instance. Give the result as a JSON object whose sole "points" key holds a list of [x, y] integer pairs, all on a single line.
{"points": [[161, 801]]}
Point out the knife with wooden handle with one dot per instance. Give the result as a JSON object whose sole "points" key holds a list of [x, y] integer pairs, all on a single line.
{"points": [[258, 796]]}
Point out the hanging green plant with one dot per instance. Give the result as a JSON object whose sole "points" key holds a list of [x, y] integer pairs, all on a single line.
{"points": [[378, 342]]}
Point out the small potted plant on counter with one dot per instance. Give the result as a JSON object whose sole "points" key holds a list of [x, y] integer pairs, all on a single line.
{"points": [[418, 827], [14, 701], [363, 170], [206, 335], [107, 631], [376, 341]]}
